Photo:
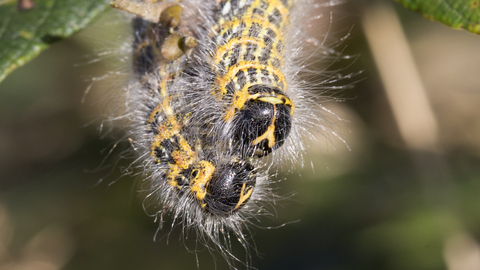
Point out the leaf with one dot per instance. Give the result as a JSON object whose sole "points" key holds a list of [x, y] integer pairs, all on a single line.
{"points": [[454, 13], [24, 34]]}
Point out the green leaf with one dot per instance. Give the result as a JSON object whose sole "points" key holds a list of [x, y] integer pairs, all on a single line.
{"points": [[24, 34], [454, 13]]}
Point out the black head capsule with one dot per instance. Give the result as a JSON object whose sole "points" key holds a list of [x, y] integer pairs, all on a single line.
{"points": [[264, 122], [230, 188]]}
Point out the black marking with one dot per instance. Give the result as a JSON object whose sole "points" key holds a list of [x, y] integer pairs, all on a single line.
{"points": [[224, 56], [275, 77], [227, 33], [250, 52], [230, 88], [265, 54], [221, 65], [252, 72], [275, 18], [235, 54], [241, 79], [237, 33], [154, 125], [257, 11], [243, 25], [265, 72], [183, 179], [270, 36], [262, 88], [164, 152], [254, 30]]}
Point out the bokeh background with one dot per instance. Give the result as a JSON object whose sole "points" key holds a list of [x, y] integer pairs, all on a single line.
{"points": [[404, 194]]}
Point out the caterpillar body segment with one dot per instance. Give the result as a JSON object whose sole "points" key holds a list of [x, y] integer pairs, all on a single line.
{"points": [[248, 60]]}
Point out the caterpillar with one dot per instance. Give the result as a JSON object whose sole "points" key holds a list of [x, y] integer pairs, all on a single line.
{"points": [[246, 68], [213, 94], [248, 60]]}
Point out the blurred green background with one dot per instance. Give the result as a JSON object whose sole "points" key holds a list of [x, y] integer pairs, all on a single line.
{"points": [[391, 202]]}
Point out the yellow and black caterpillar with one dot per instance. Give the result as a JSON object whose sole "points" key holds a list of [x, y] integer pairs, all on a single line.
{"points": [[245, 83], [239, 73], [248, 61], [215, 89]]}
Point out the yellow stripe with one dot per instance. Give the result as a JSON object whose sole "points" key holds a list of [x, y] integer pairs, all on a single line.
{"points": [[244, 66], [199, 184], [269, 134], [227, 47], [243, 196]]}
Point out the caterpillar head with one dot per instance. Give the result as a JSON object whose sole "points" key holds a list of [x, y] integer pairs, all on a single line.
{"points": [[223, 190], [263, 122]]}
